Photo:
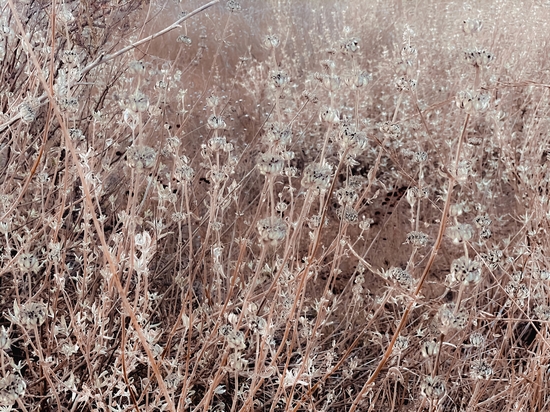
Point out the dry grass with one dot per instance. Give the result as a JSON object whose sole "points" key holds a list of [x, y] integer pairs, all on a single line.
{"points": [[294, 206]]}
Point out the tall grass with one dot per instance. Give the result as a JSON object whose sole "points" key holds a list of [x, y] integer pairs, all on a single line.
{"points": [[274, 206]]}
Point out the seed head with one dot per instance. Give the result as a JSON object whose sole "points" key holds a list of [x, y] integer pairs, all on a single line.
{"points": [[420, 157], [31, 314], [355, 182], [542, 312], [216, 122], [462, 232], [472, 102], [481, 370], [183, 172], [258, 325], [271, 41], [138, 102], [408, 52], [417, 239], [492, 258], [76, 135], [401, 344], [466, 270], [277, 134], [217, 143], [12, 387], [471, 26], [315, 221], [351, 141], [348, 214], [477, 339], [69, 104], [271, 230], [28, 262], [403, 68], [237, 362], [70, 57], [346, 195], [448, 319], [27, 112], [430, 348], [137, 67], [141, 157], [279, 78], [357, 79], [182, 38], [329, 115], [390, 130], [482, 221], [235, 340], [399, 275], [270, 164], [433, 387], [328, 66], [478, 58], [317, 176], [349, 45], [233, 6], [412, 195], [403, 84], [517, 292], [517, 276], [542, 274], [5, 341], [365, 223], [485, 233]]}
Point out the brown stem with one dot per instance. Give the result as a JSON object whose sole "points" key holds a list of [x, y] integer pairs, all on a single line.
{"points": [[427, 269]]}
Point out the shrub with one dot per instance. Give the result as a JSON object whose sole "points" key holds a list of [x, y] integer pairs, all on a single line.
{"points": [[274, 205]]}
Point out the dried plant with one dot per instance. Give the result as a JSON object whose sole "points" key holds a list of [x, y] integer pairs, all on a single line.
{"points": [[274, 206]]}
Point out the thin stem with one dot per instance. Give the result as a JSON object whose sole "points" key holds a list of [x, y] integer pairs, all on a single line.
{"points": [[176, 25], [427, 269]]}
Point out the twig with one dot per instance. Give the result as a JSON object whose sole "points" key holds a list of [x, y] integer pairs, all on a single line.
{"points": [[105, 58], [427, 269]]}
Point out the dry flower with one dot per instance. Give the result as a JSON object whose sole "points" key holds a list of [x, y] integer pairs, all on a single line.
{"points": [[30, 314], [466, 270], [449, 318], [459, 233], [430, 348], [12, 387], [481, 370], [477, 339], [216, 123], [317, 176], [330, 115], [433, 387], [417, 239], [478, 58], [141, 157], [270, 164], [27, 112], [279, 78], [471, 26], [348, 214], [233, 6], [350, 45], [272, 230], [138, 102], [346, 195], [271, 41], [182, 38]]}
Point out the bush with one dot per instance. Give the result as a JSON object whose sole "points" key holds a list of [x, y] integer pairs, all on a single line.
{"points": [[275, 205]]}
